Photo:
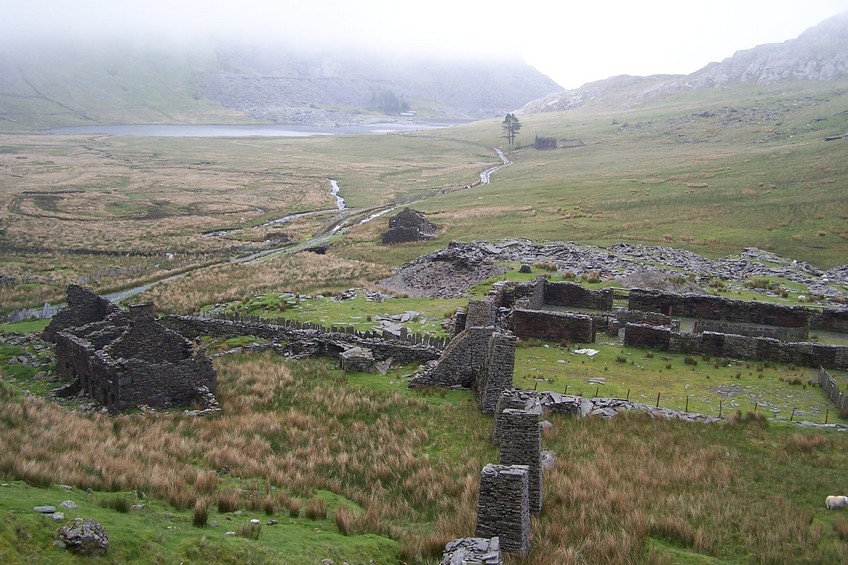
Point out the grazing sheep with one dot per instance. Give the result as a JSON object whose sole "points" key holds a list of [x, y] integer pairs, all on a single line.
{"points": [[836, 502]]}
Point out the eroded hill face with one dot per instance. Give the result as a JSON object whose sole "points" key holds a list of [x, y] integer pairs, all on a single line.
{"points": [[76, 83], [818, 54]]}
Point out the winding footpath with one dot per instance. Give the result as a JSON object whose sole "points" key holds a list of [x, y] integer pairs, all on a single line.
{"points": [[345, 218]]}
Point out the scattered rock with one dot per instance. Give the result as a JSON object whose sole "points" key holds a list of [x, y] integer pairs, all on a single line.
{"points": [[45, 509], [69, 504], [525, 268], [84, 536]]}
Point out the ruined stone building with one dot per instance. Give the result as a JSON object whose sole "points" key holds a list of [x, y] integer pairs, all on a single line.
{"points": [[124, 360]]}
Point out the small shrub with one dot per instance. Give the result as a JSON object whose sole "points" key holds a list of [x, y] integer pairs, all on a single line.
{"points": [[690, 361], [345, 518], [268, 505], [228, 501], [840, 526], [249, 530], [569, 276], [546, 266], [293, 505], [592, 277], [316, 509], [668, 365], [649, 354], [620, 359], [201, 513], [120, 503], [206, 482], [805, 443], [254, 501]]}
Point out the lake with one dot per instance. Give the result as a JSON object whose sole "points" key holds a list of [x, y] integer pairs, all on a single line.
{"points": [[248, 130]]}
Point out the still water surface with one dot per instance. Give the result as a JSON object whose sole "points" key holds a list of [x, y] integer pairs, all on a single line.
{"points": [[250, 130]]}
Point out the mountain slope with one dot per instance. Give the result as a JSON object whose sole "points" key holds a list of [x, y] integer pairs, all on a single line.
{"points": [[818, 54], [44, 86]]}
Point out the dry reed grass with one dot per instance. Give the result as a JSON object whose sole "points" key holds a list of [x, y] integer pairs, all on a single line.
{"points": [[298, 428], [303, 273]]}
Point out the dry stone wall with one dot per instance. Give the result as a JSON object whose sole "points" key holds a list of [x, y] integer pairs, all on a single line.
{"points": [[516, 400], [831, 389], [503, 509], [496, 374], [127, 361], [566, 326], [573, 295], [752, 330], [717, 308], [461, 362], [520, 442], [737, 347], [320, 341], [829, 320]]}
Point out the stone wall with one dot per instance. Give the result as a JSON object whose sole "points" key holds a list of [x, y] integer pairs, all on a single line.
{"points": [[496, 374], [831, 389], [516, 400], [717, 308], [503, 509], [573, 295], [829, 320], [644, 335], [536, 300], [737, 347], [520, 443], [127, 361], [480, 313], [84, 307], [753, 330], [557, 326], [461, 362], [324, 342]]}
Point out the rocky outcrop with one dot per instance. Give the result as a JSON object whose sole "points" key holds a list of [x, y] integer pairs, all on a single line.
{"points": [[409, 225], [84, 537], [272, 83]]}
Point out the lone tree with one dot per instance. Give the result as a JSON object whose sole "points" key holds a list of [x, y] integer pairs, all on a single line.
{"points": [[511, 126]]}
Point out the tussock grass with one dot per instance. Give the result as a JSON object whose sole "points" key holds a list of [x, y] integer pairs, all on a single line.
{"points": [[200, 516], [296, 427], [316, 509], [303, 273], [617, 485]]}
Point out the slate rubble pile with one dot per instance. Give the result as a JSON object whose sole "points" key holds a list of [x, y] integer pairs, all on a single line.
{"points": [[466, 264], [477, 551]]}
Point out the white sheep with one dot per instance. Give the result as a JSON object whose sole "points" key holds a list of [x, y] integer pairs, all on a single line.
{"points": [[835, 502]]}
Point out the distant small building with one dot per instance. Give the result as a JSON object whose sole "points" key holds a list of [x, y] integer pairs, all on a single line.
{"points": [[545, 143]]}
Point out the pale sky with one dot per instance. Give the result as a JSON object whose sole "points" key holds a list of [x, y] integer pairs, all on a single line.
{"points": [[571, 42]]}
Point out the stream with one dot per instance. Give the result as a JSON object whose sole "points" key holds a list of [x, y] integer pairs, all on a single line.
{"points": [[48, 311]]}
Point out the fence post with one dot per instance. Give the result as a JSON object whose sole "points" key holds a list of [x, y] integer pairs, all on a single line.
{"points": [[658, 400], [686, 410], [719, 408]]}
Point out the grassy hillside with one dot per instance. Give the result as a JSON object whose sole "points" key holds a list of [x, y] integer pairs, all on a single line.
{"points": [[79, 84]]}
